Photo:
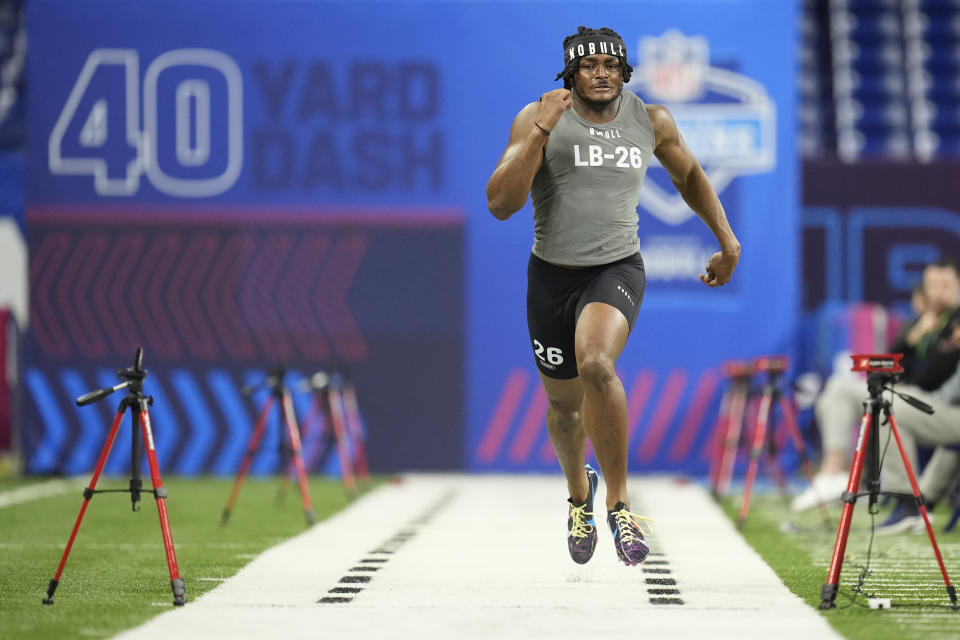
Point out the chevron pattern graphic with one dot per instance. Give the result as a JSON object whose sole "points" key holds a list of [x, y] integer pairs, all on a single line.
{"points": [[207, 295], [201, 423], [215, 299], [669, 422]]}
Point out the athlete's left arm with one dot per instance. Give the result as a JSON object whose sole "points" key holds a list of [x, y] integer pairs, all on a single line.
{"points": [[692, 183]]}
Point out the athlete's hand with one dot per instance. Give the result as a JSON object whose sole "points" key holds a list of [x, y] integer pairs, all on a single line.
{"points": [[719, 269], [552, 105]]}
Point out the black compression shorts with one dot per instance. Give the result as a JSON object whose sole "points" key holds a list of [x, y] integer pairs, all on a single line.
{"points": [[557, 295]]}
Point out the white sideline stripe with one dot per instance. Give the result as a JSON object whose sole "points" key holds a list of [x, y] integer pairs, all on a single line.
{"points": [[127, 546], [46, 489], [493, 563]]}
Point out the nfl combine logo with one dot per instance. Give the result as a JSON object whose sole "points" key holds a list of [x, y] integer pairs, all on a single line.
{"points": [[727, 119]]}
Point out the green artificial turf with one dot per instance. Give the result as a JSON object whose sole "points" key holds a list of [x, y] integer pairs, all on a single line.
{"points": [[902, 567], [116, 576]]}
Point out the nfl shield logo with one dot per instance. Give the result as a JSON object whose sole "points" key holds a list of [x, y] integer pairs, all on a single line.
{"points": [[673, 66], [727, 119]]}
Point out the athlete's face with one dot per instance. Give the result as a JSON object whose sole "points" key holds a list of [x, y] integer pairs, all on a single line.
{"points": [[598, 80]]}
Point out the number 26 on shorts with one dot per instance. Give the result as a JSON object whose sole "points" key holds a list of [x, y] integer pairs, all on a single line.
{"points": [[554, 355]]}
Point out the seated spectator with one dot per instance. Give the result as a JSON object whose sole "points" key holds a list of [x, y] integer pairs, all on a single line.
{"points": [[930, 357]]}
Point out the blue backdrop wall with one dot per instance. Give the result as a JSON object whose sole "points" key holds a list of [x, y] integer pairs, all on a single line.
{"points": [[235, 185]]}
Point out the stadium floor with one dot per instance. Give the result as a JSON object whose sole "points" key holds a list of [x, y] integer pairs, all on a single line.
{"points": [[438, 556]]}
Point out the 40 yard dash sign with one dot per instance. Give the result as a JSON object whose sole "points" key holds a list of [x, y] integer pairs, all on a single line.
{"points": [[190, 141]]}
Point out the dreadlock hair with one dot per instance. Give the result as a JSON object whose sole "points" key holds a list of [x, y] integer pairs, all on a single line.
{"points": [[573, 66]]}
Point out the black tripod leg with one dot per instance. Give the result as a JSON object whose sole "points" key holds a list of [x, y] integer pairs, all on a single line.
{"points": [[283, 452], [774, 446], [136, 451]]}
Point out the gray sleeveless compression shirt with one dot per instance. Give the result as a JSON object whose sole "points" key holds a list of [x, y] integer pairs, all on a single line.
{"points": [[585, 193]]}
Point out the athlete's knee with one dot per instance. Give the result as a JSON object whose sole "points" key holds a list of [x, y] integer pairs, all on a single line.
{"points": [[597, 370], [565, 416], [566, 407]]}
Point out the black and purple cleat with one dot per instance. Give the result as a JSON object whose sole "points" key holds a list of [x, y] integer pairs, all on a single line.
{"points": [[628, 536], [581, 526]]}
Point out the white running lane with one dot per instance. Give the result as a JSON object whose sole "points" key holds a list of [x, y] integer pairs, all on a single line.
{"points": [[485, 557]]}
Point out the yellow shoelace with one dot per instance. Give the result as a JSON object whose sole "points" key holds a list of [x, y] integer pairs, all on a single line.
{"points": [[580, 528], [626, 518]]}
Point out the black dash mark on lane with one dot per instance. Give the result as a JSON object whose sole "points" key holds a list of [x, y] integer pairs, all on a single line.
{"points": [[663, 581], [390, 546], [661, 590], [667, 591], [666, 601]]}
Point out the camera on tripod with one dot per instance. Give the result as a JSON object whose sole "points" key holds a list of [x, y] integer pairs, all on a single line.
{"points": [[141, 441], [776, 365], [882, 370], [885, 364]]}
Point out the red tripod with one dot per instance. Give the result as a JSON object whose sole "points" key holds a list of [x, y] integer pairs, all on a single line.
{"points": [[137, 403], [733, 408], [882, 372], [279, 396], [774, 367], [354, 428], [327, 407]]}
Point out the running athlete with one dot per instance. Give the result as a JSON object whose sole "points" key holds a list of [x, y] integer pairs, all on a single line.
{"points": [[582, 152]]}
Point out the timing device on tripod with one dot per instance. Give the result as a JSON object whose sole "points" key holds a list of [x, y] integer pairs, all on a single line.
{"points": [[137, 403], [766, 435], [279, 396], [774, 421], [883, 371], [334, 407], [733, 408]]}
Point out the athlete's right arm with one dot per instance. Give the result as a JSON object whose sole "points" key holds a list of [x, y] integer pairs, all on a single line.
{"points": [[510, 183]]}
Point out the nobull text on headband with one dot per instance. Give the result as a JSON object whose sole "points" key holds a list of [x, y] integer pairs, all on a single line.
{"points": [[592, 45]]}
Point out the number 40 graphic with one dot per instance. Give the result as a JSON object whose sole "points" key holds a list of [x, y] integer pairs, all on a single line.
{"points": [[98, 131]]}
